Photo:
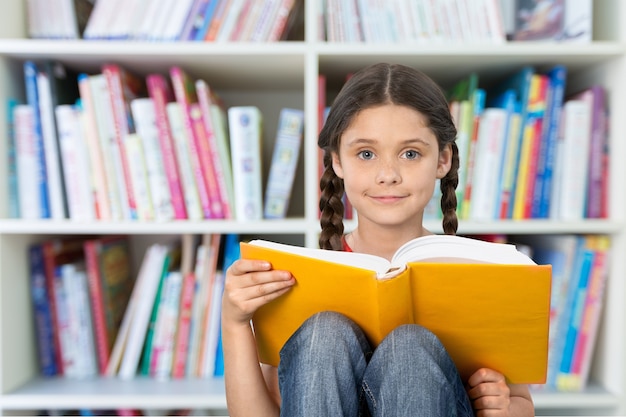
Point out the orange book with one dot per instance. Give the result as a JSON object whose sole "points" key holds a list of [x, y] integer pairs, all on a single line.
{"points": [[488, 303]]}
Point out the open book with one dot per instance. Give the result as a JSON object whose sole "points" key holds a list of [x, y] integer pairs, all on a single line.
{"points": [[488, 303]]}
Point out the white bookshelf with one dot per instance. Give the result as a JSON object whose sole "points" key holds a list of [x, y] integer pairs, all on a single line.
{"points": [[274, 76]]}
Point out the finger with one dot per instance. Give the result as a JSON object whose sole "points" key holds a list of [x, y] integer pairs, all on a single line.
{"points": [[244, 266], [485, 375], [488, 389]]}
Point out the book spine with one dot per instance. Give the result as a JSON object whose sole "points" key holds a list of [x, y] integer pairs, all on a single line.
{"points": [[165, 333], [66, 344], [96, 157], [221, 165], [109, 147], [595, 177], [183, 332], [144, 116], [56, 191], [27, 161], [245, 137], [591, 314], [94, 281], [157, 89], [117, 87], [580, 282], [139, 183], [206, 162], [184, 91], [46, 346], [284, 161], [74, 156], [32, 99], [183, 154]]}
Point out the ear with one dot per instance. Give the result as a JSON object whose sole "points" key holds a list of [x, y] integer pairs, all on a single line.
{"points": [[445, 161], [337, 165]]}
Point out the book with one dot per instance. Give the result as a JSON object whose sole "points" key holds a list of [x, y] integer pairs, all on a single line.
{"points": [[32, 99], [245, 143], [160, 91], [488, 303], [284, 161], [110, 281], [132, 333], [27, 163]]}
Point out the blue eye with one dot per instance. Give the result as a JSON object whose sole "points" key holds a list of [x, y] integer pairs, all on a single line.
{"points": [[366, 155], [412, 154]]}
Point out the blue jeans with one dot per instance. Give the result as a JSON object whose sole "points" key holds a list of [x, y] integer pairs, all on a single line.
{"points": [[327, 368]]}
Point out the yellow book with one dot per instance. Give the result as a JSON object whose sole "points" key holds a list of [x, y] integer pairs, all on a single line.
{"points": [[488, 303]]}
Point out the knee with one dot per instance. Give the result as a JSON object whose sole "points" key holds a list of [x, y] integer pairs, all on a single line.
{"points": [[416, 339], [324, 334]]}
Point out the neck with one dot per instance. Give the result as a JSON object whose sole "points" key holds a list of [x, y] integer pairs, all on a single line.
{"points": [[382, 241]]}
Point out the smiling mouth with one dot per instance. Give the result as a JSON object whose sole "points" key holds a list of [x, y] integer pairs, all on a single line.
{"points": [[387, 198]]}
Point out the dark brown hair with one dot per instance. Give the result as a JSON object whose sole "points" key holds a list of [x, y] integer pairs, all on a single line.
{"points": [[373, 86]]}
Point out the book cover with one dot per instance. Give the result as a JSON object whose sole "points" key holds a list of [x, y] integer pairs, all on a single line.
{"points": [[245, 139], [284, 161], [456, 301]]}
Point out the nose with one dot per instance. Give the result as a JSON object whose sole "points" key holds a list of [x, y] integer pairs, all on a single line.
{"points": [[388, 173]]}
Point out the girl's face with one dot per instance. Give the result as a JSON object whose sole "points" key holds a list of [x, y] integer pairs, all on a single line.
{"points": [[389, 161]]}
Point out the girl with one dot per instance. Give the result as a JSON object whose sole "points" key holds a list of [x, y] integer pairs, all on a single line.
{"points": [[389, 136]]}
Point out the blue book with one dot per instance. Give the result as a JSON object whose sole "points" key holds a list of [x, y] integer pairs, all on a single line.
{"points": [[231, 254], [575, 306], [32, 98], [508, 102], [547, 152], [42, 310], [208, 18], [14, 198]]}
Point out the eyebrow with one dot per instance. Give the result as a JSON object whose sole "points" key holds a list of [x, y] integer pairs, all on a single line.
{"points": [[365, 141]]}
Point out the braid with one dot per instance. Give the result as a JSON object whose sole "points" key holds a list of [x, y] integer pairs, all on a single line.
{"points": [[331, 208], [448, 194]]}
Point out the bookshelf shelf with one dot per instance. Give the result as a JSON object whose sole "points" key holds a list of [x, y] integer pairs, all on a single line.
{"points": [[275, 75]]}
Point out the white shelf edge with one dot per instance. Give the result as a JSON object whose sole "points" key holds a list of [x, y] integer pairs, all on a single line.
{"points": [[67, 227], [42, 393], [32, 47]]}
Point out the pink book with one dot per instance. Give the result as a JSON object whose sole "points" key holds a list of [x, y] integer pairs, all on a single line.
{"points": [[181, 344], [123, 87], [591, 313], [206, 101], [185, 93], [160, 92]]}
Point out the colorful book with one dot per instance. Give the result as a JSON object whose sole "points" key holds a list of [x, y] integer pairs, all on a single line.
{"points": [[27, 163], [284, 162], [447, 284], [217, 143], [185, 94]]}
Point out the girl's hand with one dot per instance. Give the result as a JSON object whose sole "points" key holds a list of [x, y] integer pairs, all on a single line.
{"points": [[489, 393], [248, 285]]}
